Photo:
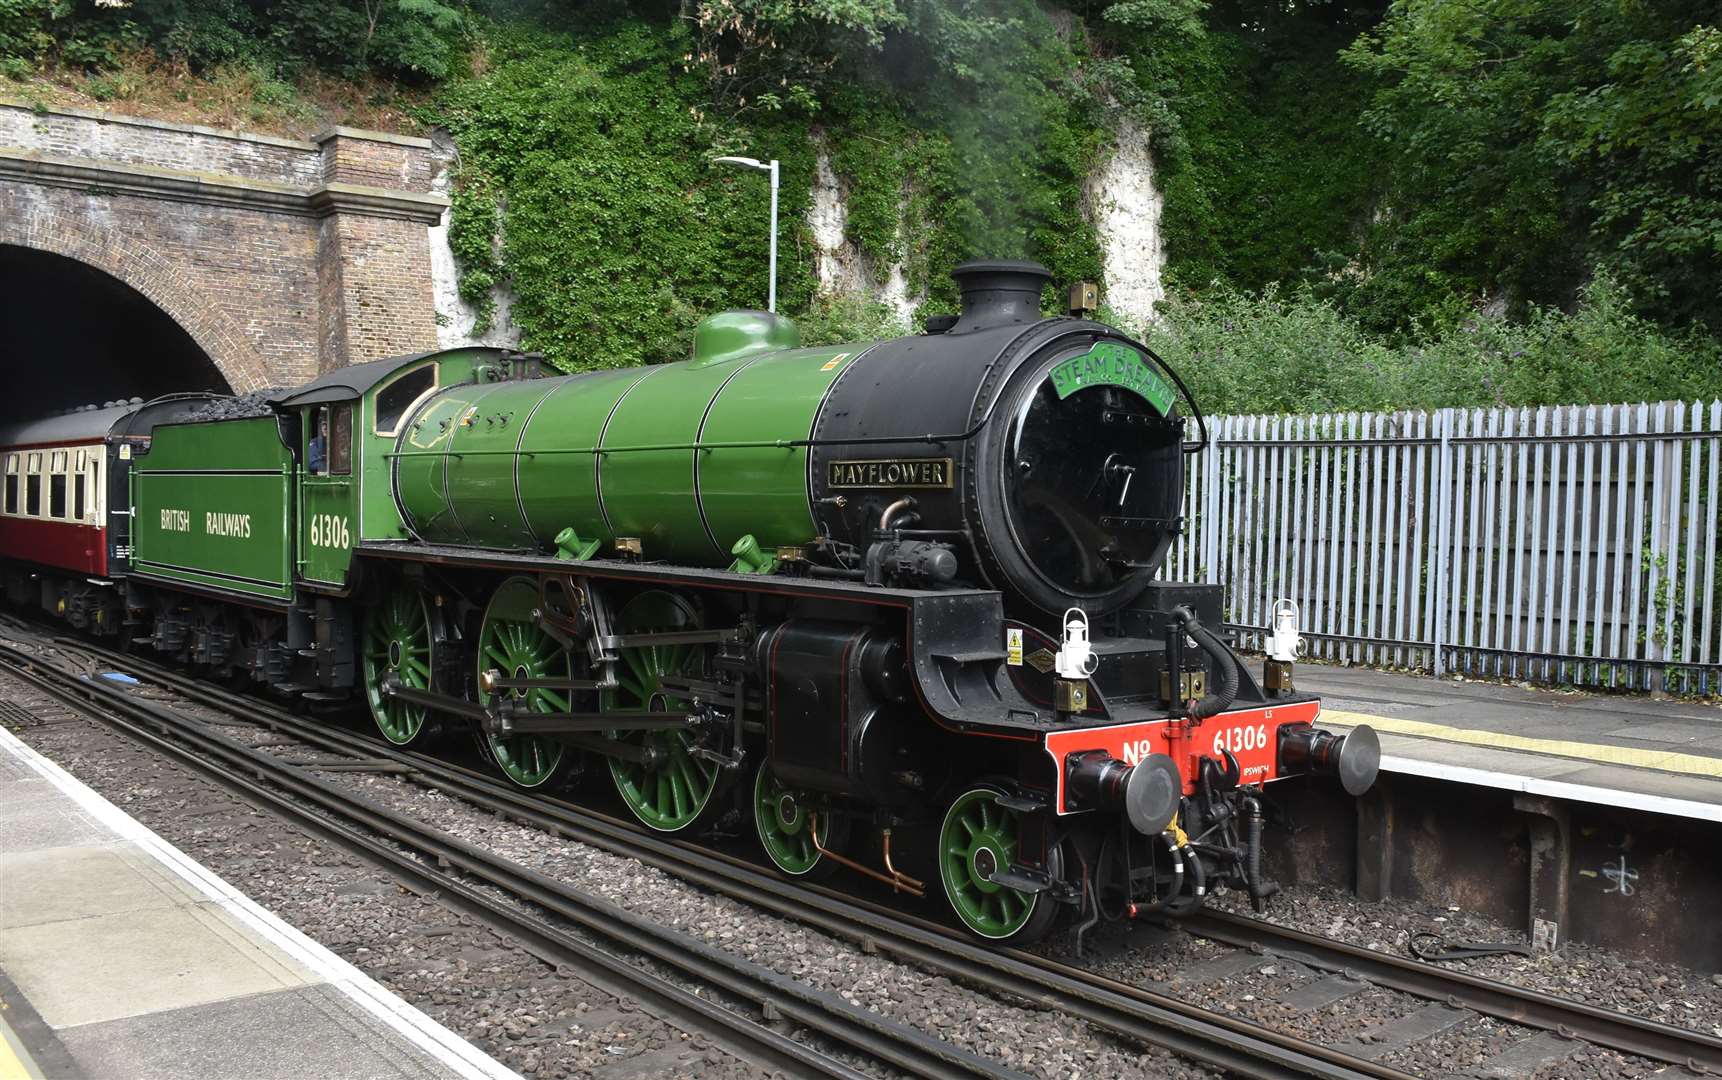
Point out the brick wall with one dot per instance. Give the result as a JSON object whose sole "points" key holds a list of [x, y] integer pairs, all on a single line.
{"points": [[281, 258]]}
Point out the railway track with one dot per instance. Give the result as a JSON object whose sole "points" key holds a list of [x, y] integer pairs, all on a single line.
{"points": [[1141, 1016], [1466, 993], [1125, 1010], [429, 859]]}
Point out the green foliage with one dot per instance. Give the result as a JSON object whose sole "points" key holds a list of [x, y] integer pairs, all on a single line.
{"points": [[407, 39], [618, 234], [1253, 121], [473, 222], [1532, 143], [1275, 353], [1345, 183], [831, 320]]}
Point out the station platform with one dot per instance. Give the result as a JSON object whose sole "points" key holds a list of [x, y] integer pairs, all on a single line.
{"points": [[1629, 751], [122, 958]]}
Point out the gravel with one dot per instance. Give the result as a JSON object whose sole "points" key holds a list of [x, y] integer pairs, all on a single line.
{"points": [[1653, 989], [1039, 1042], [509, 1002], [531, 1017], [521, 1010]]}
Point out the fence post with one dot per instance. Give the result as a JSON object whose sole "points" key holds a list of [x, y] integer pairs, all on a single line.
{"points": [[1211, 501], [1444, 508]]}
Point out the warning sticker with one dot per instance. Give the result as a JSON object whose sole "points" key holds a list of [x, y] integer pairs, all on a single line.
{"points": [[1013, 646]]}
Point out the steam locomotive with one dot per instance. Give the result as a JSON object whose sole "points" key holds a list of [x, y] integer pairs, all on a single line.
{"points": [[892, 605]]}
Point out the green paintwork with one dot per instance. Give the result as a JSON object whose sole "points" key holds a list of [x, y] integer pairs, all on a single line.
{"points": [[1111, 363], [749, 559], [786, 837], [511, 642], [616, 453], [481, 461], [570, 546], [974, 824], [763, 490], [649, 494], [732, 335], [224, 525], [421, 470], [561, 490], [379, 519], [673, 796], [328, 516], [398, 642]]}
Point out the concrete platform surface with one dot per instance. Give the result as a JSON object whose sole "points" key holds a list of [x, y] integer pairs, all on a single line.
{"points": [[123, 959], [1631, 751]]}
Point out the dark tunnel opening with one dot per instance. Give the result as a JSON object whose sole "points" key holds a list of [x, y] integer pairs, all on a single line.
{"points": [[77, 335]]}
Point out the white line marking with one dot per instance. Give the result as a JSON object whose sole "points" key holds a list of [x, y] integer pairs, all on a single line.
{"points": [[439, 1042], [1558, 789]]}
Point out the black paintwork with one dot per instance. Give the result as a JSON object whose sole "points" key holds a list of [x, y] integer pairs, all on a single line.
{"points": [[1054, 502]]}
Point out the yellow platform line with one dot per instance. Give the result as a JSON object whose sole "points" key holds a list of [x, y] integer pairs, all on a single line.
{"points": [[15, 1061], [1637, 757]]}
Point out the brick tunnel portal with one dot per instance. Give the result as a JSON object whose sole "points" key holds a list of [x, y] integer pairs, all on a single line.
{"points": [[80, 336]]}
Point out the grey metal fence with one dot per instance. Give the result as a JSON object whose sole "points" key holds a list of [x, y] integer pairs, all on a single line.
{"points": [[1564, 545]]}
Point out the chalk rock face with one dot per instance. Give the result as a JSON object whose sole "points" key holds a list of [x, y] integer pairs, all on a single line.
{"points": [[1125, 207], [455, 318], [842, 268]]}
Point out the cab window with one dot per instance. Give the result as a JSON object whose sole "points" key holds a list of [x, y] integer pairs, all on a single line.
{"points": [[341, 440], [396, 400], [330, 450]]}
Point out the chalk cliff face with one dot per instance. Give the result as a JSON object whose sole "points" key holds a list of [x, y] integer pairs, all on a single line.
{"points": [[1125, 206], [1122, 202], [455, 318], [842, 269]]}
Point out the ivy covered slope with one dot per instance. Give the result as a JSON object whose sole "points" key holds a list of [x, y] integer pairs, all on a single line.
{"points": [[586, 142], [1367, 203]]}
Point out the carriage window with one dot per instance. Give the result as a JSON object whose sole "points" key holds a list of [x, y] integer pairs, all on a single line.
{"points": [[11, 483], [341, 441], [397, 399], [33, 488], [57, 484], [78, 503]]}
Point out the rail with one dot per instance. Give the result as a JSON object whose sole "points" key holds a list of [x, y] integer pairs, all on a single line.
{"points": [[1131, 1012]]}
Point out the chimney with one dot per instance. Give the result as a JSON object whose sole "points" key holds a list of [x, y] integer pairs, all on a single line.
{"points": [[998, 293]]}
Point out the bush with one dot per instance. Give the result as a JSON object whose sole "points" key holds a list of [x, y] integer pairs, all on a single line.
{"points": [[1274, 353]]}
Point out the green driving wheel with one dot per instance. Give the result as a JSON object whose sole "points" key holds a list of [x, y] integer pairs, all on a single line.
{"points": [[512, 644], [978, 839], [784, 819], [400, 642], [675, 789]]}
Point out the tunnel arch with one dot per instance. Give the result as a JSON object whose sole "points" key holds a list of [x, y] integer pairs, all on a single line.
{"points": [[141, 281]]}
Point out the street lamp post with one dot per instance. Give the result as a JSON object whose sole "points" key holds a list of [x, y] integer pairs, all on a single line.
{"points": [[767, 167]]}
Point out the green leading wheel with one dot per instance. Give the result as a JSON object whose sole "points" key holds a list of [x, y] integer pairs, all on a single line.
{"points": [[511, 643], [674, 792], [400, 641], [784, 819], [978, 839]]}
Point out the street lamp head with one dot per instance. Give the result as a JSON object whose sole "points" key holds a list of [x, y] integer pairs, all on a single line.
{"points": [[745, 162]]}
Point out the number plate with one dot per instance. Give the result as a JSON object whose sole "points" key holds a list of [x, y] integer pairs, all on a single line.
{"points": [[1252, 737]]}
